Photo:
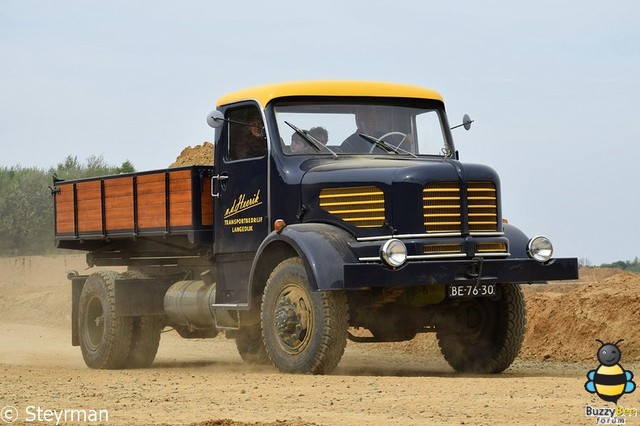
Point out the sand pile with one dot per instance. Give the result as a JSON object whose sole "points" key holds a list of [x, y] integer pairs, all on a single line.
{"points": [[563, 323], [199, 155]]}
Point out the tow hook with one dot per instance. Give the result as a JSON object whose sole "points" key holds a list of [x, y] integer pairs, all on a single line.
{"points": [[475, 270]]}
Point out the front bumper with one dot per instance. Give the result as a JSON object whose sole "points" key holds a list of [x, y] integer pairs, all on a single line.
{"points": [[456, 272]]}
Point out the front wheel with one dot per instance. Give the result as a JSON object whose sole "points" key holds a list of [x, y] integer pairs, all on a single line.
{"points": [[483, 335], [304, 331]]}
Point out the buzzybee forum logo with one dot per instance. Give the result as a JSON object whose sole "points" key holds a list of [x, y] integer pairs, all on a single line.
{"points": [[609, 381]]}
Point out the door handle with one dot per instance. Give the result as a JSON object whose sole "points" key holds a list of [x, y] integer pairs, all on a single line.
{"points": [[217, 177]]}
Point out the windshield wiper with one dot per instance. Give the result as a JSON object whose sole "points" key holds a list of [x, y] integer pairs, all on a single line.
{"points": [[385, 146], [315, 143]]}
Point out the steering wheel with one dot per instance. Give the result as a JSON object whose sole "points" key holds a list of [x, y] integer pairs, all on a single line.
{"points": [[404, 138]]}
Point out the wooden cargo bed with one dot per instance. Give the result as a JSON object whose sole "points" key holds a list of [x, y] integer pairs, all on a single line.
{"points": [[163, 203]]}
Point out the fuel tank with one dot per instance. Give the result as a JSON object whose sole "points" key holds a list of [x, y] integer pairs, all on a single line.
{"points": [[188, 303]]}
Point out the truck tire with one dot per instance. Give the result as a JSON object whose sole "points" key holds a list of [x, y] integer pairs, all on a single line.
{"points": [[145, 340], [105, 337], [483, 335], [304, 331], [251, 346], [145, 336]]}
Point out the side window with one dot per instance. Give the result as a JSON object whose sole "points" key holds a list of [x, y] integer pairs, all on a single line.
{"points": [[246, 134], [429, 133]]}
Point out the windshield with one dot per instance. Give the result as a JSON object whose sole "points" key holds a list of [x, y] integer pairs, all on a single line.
{"points": [[349, 128]]}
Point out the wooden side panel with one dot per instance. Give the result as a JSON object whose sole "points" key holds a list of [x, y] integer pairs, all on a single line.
{"points": [[206, 203], [180, 202], [152, 206], [118, 199], [89, 206], [65, 218], [174, 201]]}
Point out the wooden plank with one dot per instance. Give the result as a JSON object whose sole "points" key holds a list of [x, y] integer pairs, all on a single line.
{"points": [[118, 195], [155, 199], [63, 207], [206, 204], [119, 203], [180, 202], [92, 227], [151, 201], [65, 211]]}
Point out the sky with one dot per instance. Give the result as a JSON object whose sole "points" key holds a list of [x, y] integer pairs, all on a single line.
{"points": [[552, 86]]}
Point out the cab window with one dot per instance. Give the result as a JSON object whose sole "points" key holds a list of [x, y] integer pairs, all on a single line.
{"points": [[246, 134]]}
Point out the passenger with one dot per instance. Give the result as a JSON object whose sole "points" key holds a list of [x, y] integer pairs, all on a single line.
{"points": [[300, 146], [320, 133]]}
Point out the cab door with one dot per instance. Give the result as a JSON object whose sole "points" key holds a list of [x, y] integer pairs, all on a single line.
{"points": [[241, 204]]}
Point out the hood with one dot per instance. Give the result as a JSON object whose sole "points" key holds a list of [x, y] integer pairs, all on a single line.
{"points": [[384, 195]]}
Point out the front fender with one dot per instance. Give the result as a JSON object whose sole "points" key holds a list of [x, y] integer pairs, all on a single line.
{"points": [[323, 248], [517, 241]]}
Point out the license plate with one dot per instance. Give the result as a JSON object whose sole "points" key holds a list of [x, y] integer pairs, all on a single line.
{"points": [[477, 290]]}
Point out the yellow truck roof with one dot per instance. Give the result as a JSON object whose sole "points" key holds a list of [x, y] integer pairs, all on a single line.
{"points": [[264, 94]]}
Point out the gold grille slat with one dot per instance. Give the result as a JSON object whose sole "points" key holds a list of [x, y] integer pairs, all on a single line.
{"points": [[332, 204], [441, 248], [491, 247], [357, 211], [358, 205]]}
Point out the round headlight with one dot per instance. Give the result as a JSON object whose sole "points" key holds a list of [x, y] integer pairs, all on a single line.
{"points": [[540, 249], [393, 253]]}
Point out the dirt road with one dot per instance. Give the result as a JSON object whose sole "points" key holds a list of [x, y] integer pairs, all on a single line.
{"points": [[206, 382]]}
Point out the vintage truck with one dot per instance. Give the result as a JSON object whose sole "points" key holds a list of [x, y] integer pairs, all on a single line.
{"points": [[334, 210]]}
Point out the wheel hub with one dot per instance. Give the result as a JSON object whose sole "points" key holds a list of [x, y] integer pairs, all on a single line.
{"points": [[95, 323], [292, 320]]}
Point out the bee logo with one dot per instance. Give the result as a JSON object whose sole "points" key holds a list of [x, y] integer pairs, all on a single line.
{"points": [[609, 381]]}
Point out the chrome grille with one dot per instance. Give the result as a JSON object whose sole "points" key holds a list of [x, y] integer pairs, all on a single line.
{"points": [[361, 206]]}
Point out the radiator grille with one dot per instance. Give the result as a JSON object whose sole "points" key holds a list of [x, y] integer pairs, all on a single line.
{"points": [[483, 211], [361, 206], [442, 207]]}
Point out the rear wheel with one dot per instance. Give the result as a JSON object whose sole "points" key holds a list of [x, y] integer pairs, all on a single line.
{"points": [[145, 340], [304, 331], [483, 335], [145, 336], [105, 337]]}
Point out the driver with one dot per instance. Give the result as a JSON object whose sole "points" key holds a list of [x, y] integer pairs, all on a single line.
{"points": [[371, 121]]}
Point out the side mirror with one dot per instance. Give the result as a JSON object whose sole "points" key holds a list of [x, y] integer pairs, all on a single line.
{"points": [[215, 119], [466, 122]]}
